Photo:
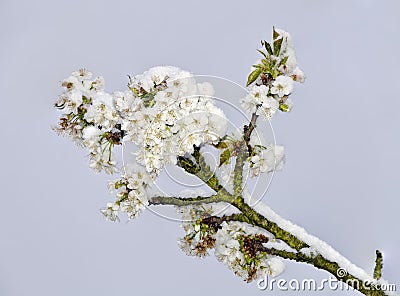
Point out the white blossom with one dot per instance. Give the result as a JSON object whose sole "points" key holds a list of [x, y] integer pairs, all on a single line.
{"points": [[198, 239], [259, 93], [102, 112], [282, 86], [268, 107], [267, 160], [111, 212], [260, 101], [176, 117], [287, 50], [298, 75], [101, 158], [231, 250], [132, 193], [249, 104]]}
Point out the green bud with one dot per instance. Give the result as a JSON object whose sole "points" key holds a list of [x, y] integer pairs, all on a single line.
{"points": [[283, 107]]}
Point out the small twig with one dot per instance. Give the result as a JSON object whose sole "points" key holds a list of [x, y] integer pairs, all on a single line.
{"points": [[215, 221], [378, 265], [248, 129], [181, 201]]}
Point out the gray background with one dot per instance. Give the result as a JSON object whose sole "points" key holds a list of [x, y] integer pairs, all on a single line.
{"points": [[342, 142]]}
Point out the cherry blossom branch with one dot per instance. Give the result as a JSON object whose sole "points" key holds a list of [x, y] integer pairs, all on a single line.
{"points": [[181, 202], [203, 172], [259, 220], [238, 201], [217, 221], [378, 265], [248, 129], [318, 261], [98, 121], [252, 217]]}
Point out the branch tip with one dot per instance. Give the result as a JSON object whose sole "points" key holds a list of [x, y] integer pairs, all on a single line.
{"points": [[378, 265]]}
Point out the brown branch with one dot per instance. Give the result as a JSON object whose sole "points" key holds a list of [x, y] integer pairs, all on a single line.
{"points": [[248, 129]]}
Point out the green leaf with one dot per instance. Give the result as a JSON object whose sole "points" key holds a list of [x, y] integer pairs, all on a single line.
{"points": [[265, 63], [133, 90], [284, 60], [260, 146], [221, 145], [253, 76], [148, 99], [263, 53], [277, 46], [275, 34], [268, 48], [86, 100], [224, 157]]}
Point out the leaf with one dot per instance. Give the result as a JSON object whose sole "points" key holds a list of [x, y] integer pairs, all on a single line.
{"points": [[260, 146], [253, 76], [221, 145], [277, 46], [263, 53], [148, 99], [224, 157], [268, 48], [275, 34], [284, 60], [272, 65], [265, 62]]}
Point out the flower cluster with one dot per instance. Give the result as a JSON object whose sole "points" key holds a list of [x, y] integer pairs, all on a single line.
{"points": [[165, 112], [173, 114], [89, 118], [238, 245], [200, 236], [272, 80], [266, 159], [132, 191]]}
